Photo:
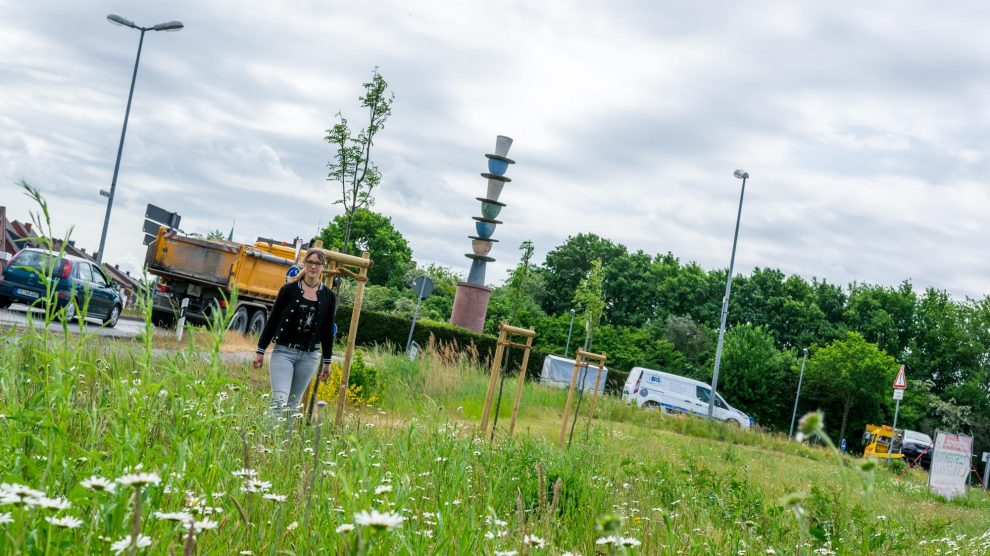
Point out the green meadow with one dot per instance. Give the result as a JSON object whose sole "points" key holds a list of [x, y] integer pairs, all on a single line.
{"points": [[114, 448]]}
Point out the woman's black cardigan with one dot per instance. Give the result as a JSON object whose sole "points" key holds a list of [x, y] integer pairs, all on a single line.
{"points": [[287, 296]]}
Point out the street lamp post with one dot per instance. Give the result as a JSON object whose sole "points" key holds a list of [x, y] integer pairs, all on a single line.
{"points": [[725, 300], [798, 396], [569, 331], [117, 20]]}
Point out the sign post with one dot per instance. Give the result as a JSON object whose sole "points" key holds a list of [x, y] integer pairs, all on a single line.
{"points": [[986, 468], [900, 384], [423, 287]]}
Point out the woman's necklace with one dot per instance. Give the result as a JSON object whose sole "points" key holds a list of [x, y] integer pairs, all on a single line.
{"points": [[312, 285]]}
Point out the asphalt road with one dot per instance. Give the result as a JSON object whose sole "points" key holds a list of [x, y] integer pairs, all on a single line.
{"points": [[16, 316]]}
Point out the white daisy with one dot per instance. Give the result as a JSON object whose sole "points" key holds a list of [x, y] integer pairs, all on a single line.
{"points": [[140, 541], [343, 528], [56, 504], [139, 480], [254, 485], [6, 518], [378, 520], [381, 489], [68, 522], [204, 525], [291, 527], [533, 540], [630, 542], [245, 473], [20, 491], [611, 539], [274, 497], [184, 517], [99, 484]]}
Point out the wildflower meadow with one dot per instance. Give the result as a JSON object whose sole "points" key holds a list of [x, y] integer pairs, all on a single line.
{"points": [[120, 447]]}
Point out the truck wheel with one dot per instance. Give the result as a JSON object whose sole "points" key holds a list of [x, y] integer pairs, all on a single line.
{"points": [[5, 302], [257, 323], [162, 319], [651, 406], [240, 321]]}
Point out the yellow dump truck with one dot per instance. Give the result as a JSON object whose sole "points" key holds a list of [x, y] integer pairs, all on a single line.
{"points": [[206, 272], [882, 442]]}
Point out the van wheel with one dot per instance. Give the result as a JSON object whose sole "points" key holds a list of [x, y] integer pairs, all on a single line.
{"points": [[239, 322], [651, 406], [257, 323], [733, 423], [5, 302]]}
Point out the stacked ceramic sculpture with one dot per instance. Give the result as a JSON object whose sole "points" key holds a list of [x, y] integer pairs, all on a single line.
{"points": [[471, 299]]}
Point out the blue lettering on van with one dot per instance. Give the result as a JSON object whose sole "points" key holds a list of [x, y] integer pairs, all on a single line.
{"points": [[656, 379]]}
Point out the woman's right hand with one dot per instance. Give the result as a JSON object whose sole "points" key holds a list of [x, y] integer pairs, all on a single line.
{"points": [[259, 360]]}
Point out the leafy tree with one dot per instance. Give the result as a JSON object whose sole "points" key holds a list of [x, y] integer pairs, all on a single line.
{"points": [[374, 233], [941, 348], [630, 291], [627, 347], [883, 315], [216, 234], [590, 298], [566, 265], [689, 338], [439, 304], [352, 168], [517, 300], [851, 373], [757, 376]]}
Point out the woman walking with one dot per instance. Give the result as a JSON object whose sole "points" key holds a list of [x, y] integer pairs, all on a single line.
{"points": [[301, 324]]}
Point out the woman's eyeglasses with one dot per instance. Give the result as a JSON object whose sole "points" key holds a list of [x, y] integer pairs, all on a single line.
{"points": [[314, 263]]}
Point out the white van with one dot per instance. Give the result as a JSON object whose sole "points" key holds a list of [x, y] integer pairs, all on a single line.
{"points": [[669, 393]]}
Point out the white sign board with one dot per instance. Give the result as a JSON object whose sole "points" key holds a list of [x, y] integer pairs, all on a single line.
{"points": [[986, 457], [950, 464], [898, 393]]}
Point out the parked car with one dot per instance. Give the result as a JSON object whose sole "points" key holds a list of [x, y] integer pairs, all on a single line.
{"points": [[673, 394], [73, 277], [917, 448]]}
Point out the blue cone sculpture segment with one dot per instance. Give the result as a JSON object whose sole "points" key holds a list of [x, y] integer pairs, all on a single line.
{"points": [[471, 299]]}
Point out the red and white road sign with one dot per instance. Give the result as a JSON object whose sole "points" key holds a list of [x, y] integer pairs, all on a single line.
{"points": [[901, 380]]}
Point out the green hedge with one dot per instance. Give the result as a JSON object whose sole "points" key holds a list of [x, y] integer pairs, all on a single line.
{"points": [[385, 329]]}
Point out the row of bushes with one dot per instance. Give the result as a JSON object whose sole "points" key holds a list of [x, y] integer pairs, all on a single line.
{"points": [[389, 330]]}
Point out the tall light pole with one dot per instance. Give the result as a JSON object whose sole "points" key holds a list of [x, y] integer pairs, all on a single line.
{"points": [[117, 20], [725, 300], [798, 396], [569, 331]]}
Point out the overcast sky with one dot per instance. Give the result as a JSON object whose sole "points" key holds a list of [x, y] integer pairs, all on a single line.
{"points": [[864, 126]]}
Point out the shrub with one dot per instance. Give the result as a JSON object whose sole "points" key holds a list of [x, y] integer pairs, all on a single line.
{"points": [[390, 330]]}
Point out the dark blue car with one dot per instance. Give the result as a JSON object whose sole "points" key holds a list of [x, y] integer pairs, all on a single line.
{"points": [[74, 279]]}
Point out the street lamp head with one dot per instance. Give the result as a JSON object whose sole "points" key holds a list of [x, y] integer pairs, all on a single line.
{"points": [[741, 174], [170, 26], [573, 312], [806, 351], [117, 20]]}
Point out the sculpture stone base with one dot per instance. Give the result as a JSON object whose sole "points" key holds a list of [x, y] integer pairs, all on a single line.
{"points": [[470, 306]]}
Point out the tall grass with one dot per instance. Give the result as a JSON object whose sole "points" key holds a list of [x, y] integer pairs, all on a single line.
{"points": [[200, 467]]}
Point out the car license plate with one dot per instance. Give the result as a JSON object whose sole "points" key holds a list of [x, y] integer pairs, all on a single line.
{"points": [[27, 293]]}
